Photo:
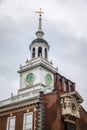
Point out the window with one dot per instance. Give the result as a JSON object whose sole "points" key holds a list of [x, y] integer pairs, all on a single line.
{"points": [[11, 123], [28, 121], [40, 51], [70, 126], [33, 52], [45, 53]]}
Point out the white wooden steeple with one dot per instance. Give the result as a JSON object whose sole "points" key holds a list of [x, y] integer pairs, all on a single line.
{"points": [[38, 73], [39, 46]]}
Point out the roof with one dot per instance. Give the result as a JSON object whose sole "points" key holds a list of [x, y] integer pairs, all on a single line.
{"points": [[39, 40]]}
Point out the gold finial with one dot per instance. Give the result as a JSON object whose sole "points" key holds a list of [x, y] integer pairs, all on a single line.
{"points": [[39, 12]]}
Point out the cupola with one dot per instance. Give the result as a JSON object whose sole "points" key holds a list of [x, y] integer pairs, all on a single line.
{"points": [[39, 46]]}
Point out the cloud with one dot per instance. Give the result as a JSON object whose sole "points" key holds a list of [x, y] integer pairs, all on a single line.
{"points": [[1, 1], [69, 54], [64, 24], [7, 86]]}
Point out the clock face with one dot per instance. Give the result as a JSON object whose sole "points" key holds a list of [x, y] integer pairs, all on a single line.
{"points": [[73, 106], [30, 78], [48, 79]]}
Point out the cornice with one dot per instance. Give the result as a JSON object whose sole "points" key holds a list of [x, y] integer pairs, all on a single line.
{"points": [[38, 62], [19, 105], [73, 94]]}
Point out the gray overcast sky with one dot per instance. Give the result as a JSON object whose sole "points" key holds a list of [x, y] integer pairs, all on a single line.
{"points": [[65, 27]]}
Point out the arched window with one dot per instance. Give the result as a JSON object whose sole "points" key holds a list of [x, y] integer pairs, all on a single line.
{"points": [[45, 53], [40, 51], [33, 52]]}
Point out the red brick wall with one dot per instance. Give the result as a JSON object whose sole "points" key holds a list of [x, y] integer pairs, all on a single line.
{"points": [[52, 112], [53, 118], [81, 124], [59, 84], [3, 123], [19, 120]]}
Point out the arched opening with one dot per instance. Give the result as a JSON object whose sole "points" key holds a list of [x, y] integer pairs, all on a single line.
{"points": [[45, 53], [40, 51], [33, 52]]}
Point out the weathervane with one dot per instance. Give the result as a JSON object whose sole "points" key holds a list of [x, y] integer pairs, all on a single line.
{"points": [[40, 20], [39, 12]]}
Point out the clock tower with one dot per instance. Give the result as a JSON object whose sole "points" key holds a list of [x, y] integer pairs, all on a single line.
{"points": [[38, 73], [46, 100]]}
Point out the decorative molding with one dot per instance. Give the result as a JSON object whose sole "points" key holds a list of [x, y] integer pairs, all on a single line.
{"points": [[70, 105], [70, 119], [19, 106], [38, 62]]}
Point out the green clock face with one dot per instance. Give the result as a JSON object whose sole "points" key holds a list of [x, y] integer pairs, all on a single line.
{"points": [[30, 78], [48, 79]]}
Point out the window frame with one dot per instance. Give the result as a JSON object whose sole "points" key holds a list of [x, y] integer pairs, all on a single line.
{"points": [[8, 120], [24, 123]]}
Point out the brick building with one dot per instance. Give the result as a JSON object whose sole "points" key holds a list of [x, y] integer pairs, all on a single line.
{"points": [[46, 100]]}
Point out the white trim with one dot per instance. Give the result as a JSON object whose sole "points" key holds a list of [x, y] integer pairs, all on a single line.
{"points": [[8, 121], [29, 113]]}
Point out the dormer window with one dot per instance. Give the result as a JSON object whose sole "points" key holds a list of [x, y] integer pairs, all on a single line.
{"points": [[39, 51]]}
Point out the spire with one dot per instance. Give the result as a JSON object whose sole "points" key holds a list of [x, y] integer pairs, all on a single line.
{"points": [[40, 20], [39, 47], [40, 33]]}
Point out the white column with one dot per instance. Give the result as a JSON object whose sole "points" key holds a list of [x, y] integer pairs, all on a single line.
{"points": [[36, 55], [43, 52], [31, 53], [47, 53]]}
